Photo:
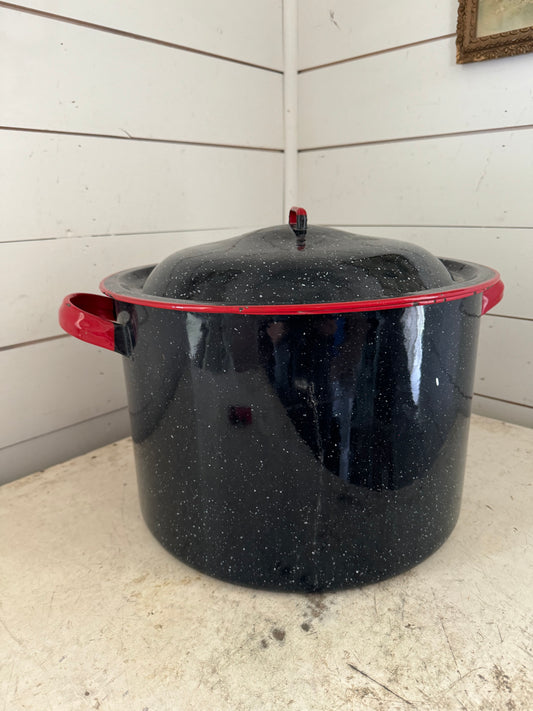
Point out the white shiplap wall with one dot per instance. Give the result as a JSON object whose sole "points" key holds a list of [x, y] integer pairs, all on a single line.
{"points": [[396, 140], [127, 130], [130, 129]]}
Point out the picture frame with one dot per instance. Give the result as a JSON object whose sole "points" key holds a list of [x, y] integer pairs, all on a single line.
{"points": [[490, 29]]}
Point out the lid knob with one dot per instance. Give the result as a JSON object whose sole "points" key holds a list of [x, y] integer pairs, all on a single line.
{"points": [[298, 220]]}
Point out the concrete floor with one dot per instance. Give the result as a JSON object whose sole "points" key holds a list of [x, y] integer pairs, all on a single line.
{"points": [[94, 614]]}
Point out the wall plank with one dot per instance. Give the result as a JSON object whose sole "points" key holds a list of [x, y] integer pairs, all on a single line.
{"points": [[96, 82], [459, 180], [329, 32], [508, 251], [412, 92], [61, 186], [40, 452], [248, 30], [36, 276], [55, 384], [505, 361]]}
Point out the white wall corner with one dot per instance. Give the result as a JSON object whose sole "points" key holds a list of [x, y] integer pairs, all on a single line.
{"points": [[290, 104]]}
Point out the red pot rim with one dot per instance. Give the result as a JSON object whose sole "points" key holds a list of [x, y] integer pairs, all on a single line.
{"points": [[492, 290]]}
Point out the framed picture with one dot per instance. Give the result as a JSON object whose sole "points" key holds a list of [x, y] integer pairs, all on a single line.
{"points": [[488, 29]]}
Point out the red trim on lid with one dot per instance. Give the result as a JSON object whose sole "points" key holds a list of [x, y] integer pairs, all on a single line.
{"points": [[492, 290]]}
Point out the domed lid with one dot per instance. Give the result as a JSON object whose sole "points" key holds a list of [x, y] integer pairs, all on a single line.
{"points": [[292, 265]]}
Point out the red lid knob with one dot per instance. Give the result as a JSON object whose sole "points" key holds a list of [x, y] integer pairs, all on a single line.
{"points": [[298, 220]]}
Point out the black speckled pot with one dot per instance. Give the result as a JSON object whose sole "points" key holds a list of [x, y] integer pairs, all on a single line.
{"points": [[297, 444]]}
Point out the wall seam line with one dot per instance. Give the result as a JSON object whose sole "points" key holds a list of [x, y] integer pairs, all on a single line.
{"points": [[424, 225], [376, 53], [410, 139], [508, 402], [37, 341], [131, 234], [139, 139]]}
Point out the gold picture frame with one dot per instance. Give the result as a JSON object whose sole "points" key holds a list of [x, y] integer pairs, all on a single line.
{"points": [[489, 29]]}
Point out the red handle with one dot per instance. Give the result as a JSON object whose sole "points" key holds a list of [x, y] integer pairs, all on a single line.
{"points": [[492, 296], [91, 318]]}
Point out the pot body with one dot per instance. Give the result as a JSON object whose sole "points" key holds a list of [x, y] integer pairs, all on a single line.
{"points": [[302, 452]]}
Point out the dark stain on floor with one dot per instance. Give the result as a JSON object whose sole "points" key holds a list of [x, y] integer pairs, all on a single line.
{"points": [[278, 634]]}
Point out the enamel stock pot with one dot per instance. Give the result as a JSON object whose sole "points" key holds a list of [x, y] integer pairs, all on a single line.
{"points": [[299, 399]]}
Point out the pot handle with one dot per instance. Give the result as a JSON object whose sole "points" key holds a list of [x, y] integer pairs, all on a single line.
{"points": [[492, 296], [91, 318]]}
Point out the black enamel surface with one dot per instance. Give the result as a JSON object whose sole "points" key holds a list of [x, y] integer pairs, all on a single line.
{"points": [[275, 266], [302, 452]]}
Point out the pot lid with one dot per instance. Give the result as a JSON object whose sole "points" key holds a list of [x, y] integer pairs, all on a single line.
{"points": [[296, 268]]}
